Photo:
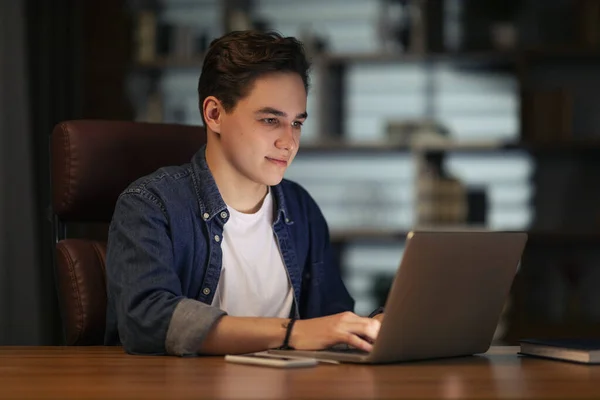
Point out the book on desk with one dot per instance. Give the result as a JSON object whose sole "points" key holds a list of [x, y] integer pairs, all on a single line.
{"points": [[585, 351]]}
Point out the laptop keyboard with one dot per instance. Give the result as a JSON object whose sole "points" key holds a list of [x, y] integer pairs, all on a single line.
{"points": [[346, 350]]}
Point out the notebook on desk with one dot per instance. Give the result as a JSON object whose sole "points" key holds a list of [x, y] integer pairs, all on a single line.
{"points": [[586, 351], [445, 300]]}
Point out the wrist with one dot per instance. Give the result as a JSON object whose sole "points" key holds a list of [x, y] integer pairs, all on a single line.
{"points": [[289, 332], [293, 341]]}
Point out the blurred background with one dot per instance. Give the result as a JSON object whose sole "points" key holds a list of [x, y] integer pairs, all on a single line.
{"points": [[423, 113]]}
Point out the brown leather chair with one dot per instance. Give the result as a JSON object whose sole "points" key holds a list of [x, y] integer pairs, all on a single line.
{"points": [[93, 161]]}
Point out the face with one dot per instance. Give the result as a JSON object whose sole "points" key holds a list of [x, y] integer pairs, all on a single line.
{"points": [[260, 136]]}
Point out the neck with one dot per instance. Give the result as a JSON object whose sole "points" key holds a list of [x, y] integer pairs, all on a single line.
{"points": [[238, 192]]}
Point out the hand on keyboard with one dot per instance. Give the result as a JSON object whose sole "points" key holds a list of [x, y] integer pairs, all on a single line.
{"points": [[345, 328]]}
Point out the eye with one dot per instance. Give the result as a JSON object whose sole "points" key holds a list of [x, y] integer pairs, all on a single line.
{"points": [[297, 124], [270, 121]]}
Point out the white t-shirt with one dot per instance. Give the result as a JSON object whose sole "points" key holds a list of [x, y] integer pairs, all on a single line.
{"points": [[254, 281]]}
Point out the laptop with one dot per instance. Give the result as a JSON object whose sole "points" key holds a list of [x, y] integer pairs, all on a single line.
{"points": [[445, 301]]}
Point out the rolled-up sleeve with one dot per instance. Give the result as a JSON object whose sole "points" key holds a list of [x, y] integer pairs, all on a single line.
{"points": [[153, 316]]}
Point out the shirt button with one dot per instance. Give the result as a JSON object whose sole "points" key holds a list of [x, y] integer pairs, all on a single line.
{"points": [[223, 214], [217, 238], [206, 215], [287, 220], [206, 291]]}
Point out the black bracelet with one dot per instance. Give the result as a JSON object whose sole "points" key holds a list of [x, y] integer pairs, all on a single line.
{"points": [[288, 333]]}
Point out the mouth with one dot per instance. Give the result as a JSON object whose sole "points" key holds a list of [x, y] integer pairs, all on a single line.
{"points": [[278, 161]]}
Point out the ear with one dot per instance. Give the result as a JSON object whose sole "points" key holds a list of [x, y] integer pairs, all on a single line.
{"points": [[213, 111]]}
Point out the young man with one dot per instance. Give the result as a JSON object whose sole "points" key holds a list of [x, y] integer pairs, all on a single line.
{"points": [[222, 255]]}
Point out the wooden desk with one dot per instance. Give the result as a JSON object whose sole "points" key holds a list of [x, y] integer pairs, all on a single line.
{"points": [[104, 372]]}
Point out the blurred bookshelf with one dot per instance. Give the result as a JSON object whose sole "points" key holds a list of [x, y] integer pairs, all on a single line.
{"points": [[536, 237], [161, 63], [508, 60], [576, 146], [505, 93], [347, 235]]}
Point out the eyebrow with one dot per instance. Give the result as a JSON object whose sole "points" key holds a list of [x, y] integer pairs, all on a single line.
{"points": [[279, 113]]}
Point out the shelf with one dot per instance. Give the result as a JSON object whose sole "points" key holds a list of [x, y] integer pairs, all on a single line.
{"points": [[566, 146], [392, 235], [168, 62], [495, 58], [573, 145], [468, 146], [487, 57], [341, 58], [367, 234], [562, 53], [341, 146], [396, 235]]}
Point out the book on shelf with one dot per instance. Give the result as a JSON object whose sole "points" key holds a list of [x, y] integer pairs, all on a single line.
{"points": [[548, 115], [585, 351], [145, 36], [588, 20], [157, 40]]}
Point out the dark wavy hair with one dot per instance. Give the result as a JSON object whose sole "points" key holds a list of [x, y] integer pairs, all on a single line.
{"points": [[234, 61]]}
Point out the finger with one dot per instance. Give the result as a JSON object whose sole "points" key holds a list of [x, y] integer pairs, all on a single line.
{"points": [[367, 328], [367, 339], [355, 341]]}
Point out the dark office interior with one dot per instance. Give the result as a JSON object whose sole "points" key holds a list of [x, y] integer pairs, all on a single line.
{"points": [[538, 60]]}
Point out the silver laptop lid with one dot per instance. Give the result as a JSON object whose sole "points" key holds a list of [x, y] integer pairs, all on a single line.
{"points": [[448, 294]]}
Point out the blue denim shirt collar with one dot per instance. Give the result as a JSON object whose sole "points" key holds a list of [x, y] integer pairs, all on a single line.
{"points": [[209, 198]]}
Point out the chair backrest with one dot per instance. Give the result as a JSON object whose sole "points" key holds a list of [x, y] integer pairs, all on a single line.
{"points": [[93, 161]]}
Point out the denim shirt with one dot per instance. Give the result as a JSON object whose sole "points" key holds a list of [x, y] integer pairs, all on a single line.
{"points": [[164, 256]]}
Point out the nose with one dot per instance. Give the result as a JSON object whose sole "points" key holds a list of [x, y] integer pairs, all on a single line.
{"points": [[287, 140]]}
